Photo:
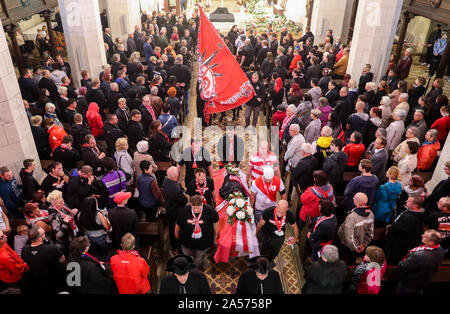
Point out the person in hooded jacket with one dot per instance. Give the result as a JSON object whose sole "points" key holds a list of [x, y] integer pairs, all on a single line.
{"points": [[323, 228], [334, 165], [94, 120], [310, 199]]}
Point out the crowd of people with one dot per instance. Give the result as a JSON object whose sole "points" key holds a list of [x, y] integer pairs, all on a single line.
{"points": [[105, 141]]}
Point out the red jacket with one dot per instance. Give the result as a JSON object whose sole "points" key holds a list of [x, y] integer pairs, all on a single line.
{"points": [[354, 153], [311, 198], [442, 125], [56, 135], [278, 118], [426, 155], [130, 272], [12, 267], [294, 61], [94, 119]]}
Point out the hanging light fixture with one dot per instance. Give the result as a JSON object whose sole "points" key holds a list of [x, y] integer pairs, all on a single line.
{"points": [[25, 3]]}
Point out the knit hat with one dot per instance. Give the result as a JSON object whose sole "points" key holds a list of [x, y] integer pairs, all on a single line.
{"points": [[121, 196]]}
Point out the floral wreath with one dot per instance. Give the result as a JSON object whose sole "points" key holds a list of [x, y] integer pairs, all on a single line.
{"points": [[232, 169], [239, 208]]}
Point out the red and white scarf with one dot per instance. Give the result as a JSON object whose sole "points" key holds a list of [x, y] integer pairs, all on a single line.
{"points": [[201, 190], [286, 121], [150, 109], [279, 223], [197, 234], [270, 190], [72, 224]]}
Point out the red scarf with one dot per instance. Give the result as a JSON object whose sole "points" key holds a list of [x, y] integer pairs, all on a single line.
{"points": [[202, 190], [72, 224], [279, 223], [197, 234], [286, 121], [99, 262], [269, 190], [150, 109]]}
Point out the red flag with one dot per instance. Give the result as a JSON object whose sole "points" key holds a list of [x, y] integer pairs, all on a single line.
{"points": [[223, 84]]}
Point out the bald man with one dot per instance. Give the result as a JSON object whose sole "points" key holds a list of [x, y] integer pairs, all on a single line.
{"points": [[175, 201], [273, 228], [357, 230]]}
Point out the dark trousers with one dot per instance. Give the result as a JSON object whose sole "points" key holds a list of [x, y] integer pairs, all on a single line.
{"points": [[271, 246], [150, 213], [99, 248], [174, 243]]}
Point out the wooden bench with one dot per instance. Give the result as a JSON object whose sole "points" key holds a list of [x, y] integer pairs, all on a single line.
{"points": [[163, 165]]}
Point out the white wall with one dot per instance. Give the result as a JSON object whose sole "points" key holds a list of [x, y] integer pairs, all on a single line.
{"points": [[296, 11]]}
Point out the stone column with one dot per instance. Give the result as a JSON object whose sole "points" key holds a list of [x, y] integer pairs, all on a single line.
{"points": [[83, 35], [331, 14], [439, 173], [16, 140], [373, 37], [123, 16]]}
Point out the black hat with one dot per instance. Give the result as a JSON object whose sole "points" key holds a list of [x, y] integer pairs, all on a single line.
{"points": [[180, 264], [262, 264]]}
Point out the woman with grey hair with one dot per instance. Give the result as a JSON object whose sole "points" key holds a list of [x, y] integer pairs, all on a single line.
{"points": [[312, 131], [327, 275], [50, 113], [386, 111], [395, 130], [140, 155]]}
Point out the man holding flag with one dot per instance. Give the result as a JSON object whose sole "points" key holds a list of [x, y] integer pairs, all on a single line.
{"points": [[223, 84]]}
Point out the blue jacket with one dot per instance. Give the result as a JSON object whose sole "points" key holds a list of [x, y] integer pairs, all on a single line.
{"points": [[148, 51], [123, 86], [364, 184], [386, 200], [439, 46], [10, 194], [146, 197], [168, 126]]}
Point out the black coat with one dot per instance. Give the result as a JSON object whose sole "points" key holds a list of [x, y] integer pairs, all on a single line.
{"points": [[29, 184], [111, 101], [68, 157], [123, 119], [259, 93], [314, 71], [419, 267], [334, 166], [135, 134], [123, 220], [94, 278], [41, 140], [302, 174], [174, 198], [403, 235], [78, 189], [91, 158], [97, 96], [250, 284], [29, 89], [195, 284], [51, 87], [112, 133], [159, 147], [343, 110], [182, 74], [146, 118], [78, 132], [262, 54], [325, 278], [363, 80]]}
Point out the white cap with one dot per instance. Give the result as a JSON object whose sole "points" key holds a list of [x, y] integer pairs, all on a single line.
{"points": [[268, 172]]}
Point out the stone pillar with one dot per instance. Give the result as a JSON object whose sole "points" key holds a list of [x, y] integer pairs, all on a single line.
{"points": [[47, 17], [331, 14], [123, 16], [439, 173], [373, 37], [16, 140], [83, 35]]}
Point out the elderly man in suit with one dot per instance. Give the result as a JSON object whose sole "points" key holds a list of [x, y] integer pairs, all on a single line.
{"points": [[379, 158]]}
